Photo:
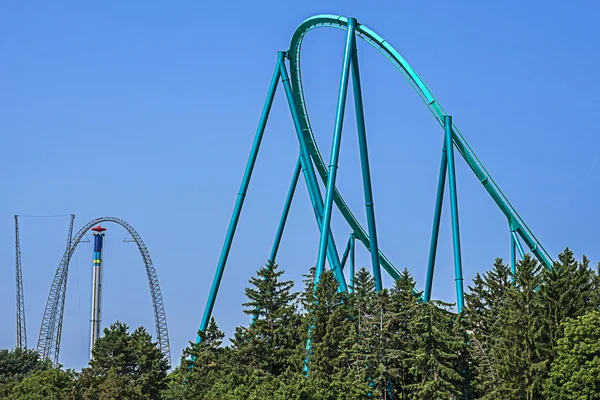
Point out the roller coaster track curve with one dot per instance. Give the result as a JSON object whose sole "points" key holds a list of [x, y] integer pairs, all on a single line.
{"points": [[51, 328]]}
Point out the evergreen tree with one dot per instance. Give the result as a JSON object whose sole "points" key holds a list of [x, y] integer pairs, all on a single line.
{"points": [[596, 290], [434, 353], [481, 317], [518, 335], [330, 319], [366, 342], [566, 291], [193, 379], [125, 366], [403, 302], [269, 342]]}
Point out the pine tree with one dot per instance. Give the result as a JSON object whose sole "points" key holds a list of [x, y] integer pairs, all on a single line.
{"points": [[403, 302], [366, 343], [330, 320], [482, 305], [434, 353], [596, 292], [269, 342], [124, 365], [518, 335], [195, 377], [566, 291]]}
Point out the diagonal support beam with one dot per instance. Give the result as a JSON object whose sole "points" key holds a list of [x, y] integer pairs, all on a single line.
{"points": [[454, 212], [366, 171], [439, 200], [286, 210], [241, 196], [335, 147], [311, 181]]}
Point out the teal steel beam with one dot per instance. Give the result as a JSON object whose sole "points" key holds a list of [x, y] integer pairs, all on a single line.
{"points": [[335, 148], [518, 243], [241, 196], [346, 252], [435, 231], [352, 247], [286, 210], [311, 179], [454, 212], [366, 171], [513, 258]]}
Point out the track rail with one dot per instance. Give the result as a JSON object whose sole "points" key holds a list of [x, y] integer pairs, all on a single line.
{"points": [[51, 328], [516, 223]]}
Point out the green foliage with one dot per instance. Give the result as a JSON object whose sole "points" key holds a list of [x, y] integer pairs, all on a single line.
{"points": [[51, 383], [534, 335], [124, 366], [15, 365], [269, 342], [434, 353], [575, 372]]}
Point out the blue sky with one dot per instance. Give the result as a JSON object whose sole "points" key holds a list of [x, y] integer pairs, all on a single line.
{"points": [[147, 111]]}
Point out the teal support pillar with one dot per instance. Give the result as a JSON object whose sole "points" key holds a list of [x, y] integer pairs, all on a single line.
{"points": [[335, 148], [346, 253], [352, 242], [437, 216], [513, 256], [518, 244], [311, 180], [454, 212], [366, 171], [286, 210], [240, 199]]}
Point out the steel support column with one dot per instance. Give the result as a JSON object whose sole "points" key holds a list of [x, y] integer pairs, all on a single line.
{"points": [[352, 242], [518, 243], [454, 211], [513, 256], [241, 196], [437, 216], [311, 179], [335, 147], [366, 171], [346, 252], [286, 210]]}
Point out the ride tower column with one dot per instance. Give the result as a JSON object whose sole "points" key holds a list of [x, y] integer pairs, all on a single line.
{"points": [[96, 286]]}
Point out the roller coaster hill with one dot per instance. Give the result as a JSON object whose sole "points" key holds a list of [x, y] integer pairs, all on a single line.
{"points": [[310, 164]]}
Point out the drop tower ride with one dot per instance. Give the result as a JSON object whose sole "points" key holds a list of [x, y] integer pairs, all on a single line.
{"points": [[96, 286]]}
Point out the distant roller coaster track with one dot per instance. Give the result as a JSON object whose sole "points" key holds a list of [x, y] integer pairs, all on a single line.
{"points": [[51, 329]]}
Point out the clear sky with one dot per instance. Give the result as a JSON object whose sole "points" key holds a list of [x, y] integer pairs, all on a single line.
{"points": [[147, 111]]}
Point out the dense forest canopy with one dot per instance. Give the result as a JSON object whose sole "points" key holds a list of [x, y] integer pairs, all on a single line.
{"points": [[534, 335]]}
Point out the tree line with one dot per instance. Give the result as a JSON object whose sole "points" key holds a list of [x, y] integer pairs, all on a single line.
{"points": [[531, 335]]}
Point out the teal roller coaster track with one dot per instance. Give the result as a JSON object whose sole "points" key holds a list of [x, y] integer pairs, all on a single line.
{"points": [[310, 163]]}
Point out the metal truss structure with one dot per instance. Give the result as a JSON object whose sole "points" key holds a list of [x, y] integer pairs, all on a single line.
{"points": [[311, 164], [51, 328], [21, 330]]}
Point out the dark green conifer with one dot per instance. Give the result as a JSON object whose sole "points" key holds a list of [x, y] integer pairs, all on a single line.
{"points": [[481, 318], [269, 342], [434, 353], [398, 353], [518, 334]]}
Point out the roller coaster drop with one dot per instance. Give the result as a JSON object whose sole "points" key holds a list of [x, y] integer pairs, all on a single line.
{"points": [[51, 329], [310, 159]]}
